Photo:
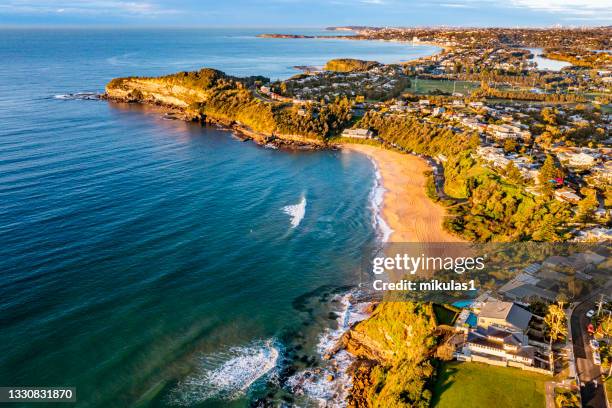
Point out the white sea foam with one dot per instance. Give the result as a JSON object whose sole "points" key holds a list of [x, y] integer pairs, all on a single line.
{"points": [[314, 384], [296, 212], [228, 374], [376, 199], [78, 95]]}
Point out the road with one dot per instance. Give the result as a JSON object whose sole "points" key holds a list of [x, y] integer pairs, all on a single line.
{"points": [[592, 397]]}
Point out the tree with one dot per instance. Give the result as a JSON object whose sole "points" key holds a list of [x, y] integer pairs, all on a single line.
{"points": [[588, 205], [546, 231], [513, 173], [510, 145], [556, 326], [445, 352], [549, 116], [567, 399], [556, 323], [548, 172]]}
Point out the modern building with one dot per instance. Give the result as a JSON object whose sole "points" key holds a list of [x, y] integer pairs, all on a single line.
{"points": [[500, 334], [358, 133]]}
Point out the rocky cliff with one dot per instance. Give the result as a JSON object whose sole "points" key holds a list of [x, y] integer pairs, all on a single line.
{"points": [[393, 349], [211, 96]]}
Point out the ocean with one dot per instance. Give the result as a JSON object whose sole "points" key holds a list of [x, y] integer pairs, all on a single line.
{"points": [[151, 262]]}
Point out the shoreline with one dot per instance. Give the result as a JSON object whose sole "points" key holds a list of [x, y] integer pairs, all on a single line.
{"points": [[441, 47], [403, 213], [406, 210]]}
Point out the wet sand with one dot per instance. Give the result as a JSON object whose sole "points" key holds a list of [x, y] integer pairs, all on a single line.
{"points": [[407, 210]]}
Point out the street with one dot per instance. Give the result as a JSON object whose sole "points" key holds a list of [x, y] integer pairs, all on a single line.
{"points": [[592, 397]]}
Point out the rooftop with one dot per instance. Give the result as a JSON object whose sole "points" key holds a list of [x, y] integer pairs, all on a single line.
{"points": [[507, 311]]}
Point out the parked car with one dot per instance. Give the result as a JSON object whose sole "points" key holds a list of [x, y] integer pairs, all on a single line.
{"points": [[594, 344], [596, 358], [590, 313]]}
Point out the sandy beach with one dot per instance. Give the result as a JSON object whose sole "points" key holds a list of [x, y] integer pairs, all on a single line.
{"points": [[407, 210]]}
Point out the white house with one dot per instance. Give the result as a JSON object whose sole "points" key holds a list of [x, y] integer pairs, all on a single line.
{"points": [[358, 133], [500, 334]]}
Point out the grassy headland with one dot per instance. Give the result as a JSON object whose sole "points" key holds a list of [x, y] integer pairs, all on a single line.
{"points": [[211, 96], [349, 65]]}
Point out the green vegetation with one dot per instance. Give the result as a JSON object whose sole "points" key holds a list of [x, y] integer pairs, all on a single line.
{"points": [[213, 95], [496, 209], [395, 345], [411, 134], [445, 314], [437, 86], [349, 65], [430, 186], [457, 170], [566, 398], [479, 385], [499, 211], [582, 58], [486, 91]]}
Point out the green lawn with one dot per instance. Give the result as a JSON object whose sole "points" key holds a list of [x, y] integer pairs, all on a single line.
{"points": [[456, 187], [462, 385], [609, 389], [426, 86]]}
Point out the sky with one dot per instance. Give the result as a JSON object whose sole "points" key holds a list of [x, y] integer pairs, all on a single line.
{"points": [[305, 13]]}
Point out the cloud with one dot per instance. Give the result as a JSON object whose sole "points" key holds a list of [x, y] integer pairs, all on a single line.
{"points": [[456, 5], [602, 9], [86, 7]]}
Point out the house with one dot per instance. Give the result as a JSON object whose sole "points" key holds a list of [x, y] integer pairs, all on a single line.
{"points": [[504, 314], [500, 335], [596, 234], [500, 344], [358, 133], [577, 159], [438, 110], [568, 195]]}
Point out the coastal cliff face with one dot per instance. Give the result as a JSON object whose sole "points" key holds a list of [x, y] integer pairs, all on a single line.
{"points": [[349, 65], [184, 91], [154, 91], [393, 350], [211, 96]]}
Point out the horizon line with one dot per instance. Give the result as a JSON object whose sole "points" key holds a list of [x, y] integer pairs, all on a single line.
{"points": [[190, 26]]}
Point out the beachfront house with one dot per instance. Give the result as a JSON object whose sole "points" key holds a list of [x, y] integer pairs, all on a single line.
{"points": [[506, 315], [358, 133], [500, 336]]}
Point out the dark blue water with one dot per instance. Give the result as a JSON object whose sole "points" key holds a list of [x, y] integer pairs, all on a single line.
{"points": [[149, 262]]}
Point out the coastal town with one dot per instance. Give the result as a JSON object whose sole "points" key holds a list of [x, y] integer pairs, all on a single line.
{"points": [[543, 130], [514, 128]]}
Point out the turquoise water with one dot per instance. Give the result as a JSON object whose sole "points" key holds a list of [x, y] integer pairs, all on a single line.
{"points": [[463, 303], [149, 262]]}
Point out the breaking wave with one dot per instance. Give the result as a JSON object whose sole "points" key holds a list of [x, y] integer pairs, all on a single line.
{"points": [[376, 199], [226, 375], [78, 96], [296, 212], [329, 386]]}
